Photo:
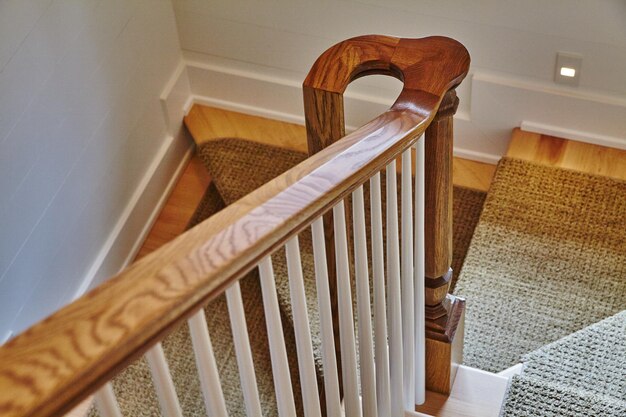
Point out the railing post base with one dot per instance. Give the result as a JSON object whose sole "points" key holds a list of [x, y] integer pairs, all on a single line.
{"points": [[444, 345]]}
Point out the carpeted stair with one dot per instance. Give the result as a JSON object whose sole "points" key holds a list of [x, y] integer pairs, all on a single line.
{"points": [[548, 258], [583, 374]]}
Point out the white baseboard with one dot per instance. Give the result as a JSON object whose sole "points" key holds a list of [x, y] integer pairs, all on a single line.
{"points": [[572, 134], [248, 109], [140, 213], [492, 105], [487, 158], [142, 210]]}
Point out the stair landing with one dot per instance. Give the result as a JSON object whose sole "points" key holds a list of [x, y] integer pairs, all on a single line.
{"points": [[568, 154]]}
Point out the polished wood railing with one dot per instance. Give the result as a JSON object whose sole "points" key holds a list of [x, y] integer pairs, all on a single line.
{"points": [[55, 364]]}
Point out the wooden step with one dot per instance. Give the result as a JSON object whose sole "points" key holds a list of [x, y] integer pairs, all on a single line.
{"points": [[563, 153]]}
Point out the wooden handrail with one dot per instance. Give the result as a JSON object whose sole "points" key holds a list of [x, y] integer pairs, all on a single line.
{"points": [[55, 364]]}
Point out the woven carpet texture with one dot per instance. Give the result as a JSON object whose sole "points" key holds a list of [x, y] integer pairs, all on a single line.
{"points": [[237, 167], [548, 258], [231, 160], [583, 374]]}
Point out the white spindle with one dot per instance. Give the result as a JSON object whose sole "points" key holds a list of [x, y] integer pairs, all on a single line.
{"points": [[419, 267], [106, 402], [304, 347], [366, 348], [278, 353], [331, 383], [408, 288], [394, 299], [380, 314], [207, 368], [163, 382], [346, 319], [243, 351]]}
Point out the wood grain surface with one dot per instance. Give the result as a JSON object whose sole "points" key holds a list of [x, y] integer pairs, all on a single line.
{"points": [[61, 360], [562, 153], [209, 123]]}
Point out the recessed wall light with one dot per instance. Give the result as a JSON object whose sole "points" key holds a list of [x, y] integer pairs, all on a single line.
{"points": [[567, 69]]}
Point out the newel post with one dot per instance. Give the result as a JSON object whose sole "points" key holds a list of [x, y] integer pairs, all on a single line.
{"points": [[444, 312]]}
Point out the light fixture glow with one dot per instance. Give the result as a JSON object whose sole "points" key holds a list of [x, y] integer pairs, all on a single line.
{"points": [[568, 72]]}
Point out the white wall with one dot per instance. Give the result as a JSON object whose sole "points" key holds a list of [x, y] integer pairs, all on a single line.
{"points": [[513, 45], [85, 149]]}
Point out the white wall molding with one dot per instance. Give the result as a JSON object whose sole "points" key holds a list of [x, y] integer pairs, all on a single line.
{"points": [[135, 222], [499, 103], [496, 103], [142, 210], [247, 109], [576, 135]]}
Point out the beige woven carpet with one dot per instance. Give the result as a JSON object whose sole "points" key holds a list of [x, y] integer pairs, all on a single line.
{"points": [[231, 162], [237, 167], [548, 258]]}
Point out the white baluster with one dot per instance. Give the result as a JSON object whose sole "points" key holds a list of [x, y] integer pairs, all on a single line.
{"points": [[243, 351], [331, 383], [419, 268], [408, 288], [346, 319], [207, 368], [366, 348], [306, 364], [163, 382], [394, 308], [278, 353], [380, 314], [106, 403]]}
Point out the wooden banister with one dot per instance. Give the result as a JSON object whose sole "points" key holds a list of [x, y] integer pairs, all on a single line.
{"points": [[55, 364], [430, 69]]}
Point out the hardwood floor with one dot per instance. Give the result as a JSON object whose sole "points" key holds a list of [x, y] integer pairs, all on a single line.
{"points": [[179, 207], [208, 123], [562, 153]]}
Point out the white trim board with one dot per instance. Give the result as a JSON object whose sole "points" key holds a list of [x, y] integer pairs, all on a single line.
{"points": [[575, 135], [140, 213], [159, 180], [492, 104]]}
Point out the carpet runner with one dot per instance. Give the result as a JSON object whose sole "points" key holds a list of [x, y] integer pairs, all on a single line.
{"points": [[583, 374]]}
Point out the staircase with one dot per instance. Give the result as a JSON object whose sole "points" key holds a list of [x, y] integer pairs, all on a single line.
{"points": [[297, 341], [222, 157], [417, 334]]}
